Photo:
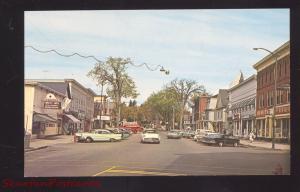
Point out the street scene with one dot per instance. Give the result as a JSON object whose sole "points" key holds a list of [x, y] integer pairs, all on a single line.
{"points": [[172, 157], [157, 93]]}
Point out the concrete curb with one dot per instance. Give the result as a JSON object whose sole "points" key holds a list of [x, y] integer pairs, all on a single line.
{"points": [[35, 149], [258, 147]]}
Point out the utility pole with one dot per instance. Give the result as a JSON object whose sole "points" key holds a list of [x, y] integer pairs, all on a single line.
{"points": [[101, 104], [173, 124]]}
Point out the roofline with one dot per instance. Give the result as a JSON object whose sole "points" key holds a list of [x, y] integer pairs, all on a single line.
{"points": [[45, 87], [63, 81], [269, 56], [243, 82]]}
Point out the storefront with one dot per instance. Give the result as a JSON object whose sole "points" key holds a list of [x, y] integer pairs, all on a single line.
{"points": [[43, 125]]}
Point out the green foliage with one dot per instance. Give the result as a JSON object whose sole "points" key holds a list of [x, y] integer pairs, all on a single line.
{"points": [[112, 73]]}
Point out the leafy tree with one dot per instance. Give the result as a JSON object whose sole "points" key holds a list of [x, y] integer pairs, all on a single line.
{"points": [[159, 106], [182, 90], [113, 73]]}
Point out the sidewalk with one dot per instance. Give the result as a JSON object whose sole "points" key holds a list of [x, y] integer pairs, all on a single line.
{"points": [[36, 144], [264, 144]]}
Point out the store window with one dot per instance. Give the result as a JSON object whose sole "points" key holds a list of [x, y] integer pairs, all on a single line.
{"points": [[285, 128]]}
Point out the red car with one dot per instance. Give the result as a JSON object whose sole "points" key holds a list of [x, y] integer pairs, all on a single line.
{"points": [[133, 126]]}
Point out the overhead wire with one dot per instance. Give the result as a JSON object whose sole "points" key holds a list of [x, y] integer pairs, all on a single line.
{"points": [[91, 56]]}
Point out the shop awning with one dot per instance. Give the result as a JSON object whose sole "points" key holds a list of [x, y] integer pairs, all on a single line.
{"points": [[71, 117], [39, 117]]}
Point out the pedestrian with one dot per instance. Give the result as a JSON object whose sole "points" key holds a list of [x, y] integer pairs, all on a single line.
{"points": [[251, 137]]}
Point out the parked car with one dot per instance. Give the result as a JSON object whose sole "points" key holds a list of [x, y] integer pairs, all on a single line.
{"points": [[173, 134], [185, 133], [150, 136], [98, 135], [220, 139], [200, 133], [190, 134]]}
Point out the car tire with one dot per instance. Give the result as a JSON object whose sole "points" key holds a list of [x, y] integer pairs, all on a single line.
{"points": [[112, 140], [235, 144], [89, 140], [220, 144]]}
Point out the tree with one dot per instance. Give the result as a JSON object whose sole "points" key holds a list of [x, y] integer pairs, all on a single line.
{"points": [[159, 106], [113, 73], [182, 89]]}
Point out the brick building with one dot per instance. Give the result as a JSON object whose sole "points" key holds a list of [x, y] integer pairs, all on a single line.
{"points": [[265, 95]]}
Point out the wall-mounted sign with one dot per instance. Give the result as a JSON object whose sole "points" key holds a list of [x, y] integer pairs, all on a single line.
{"points": [[52, 105], [51, 102]]}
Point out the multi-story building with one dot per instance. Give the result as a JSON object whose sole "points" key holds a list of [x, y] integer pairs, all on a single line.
{"points": [[103, 111], [42, 106], [209, 119], [241, 107], [221, 111], [201, 104], [79, 114], [266, 92]]}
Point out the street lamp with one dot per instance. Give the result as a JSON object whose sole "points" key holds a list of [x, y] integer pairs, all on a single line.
{"points": [[275, 93]]}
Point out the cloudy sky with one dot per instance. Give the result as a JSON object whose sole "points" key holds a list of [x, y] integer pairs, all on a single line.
{"points": [[209, 46]]}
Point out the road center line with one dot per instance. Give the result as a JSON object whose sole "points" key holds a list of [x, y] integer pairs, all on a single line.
{"points": [[142, 172], [109, 169]]}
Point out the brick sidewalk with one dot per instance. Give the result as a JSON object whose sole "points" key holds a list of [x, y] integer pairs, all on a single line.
{"points": [[48, 141], [264, 144]]}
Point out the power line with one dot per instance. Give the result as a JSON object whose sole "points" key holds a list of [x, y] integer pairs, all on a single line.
{"points": [[93, 57]]}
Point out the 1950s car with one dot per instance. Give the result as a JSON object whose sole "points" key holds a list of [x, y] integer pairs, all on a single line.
{"points": [[220, 139], [150, 136], [98, 135], [173, 134]]}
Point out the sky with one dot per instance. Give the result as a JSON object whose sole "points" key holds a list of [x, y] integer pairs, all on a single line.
{"points": [[208, 46]]}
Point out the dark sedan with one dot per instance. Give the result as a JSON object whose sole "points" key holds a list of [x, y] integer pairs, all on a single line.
{"points": [[220, 139]]}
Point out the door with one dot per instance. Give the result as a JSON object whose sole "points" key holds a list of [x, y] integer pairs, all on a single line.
{"points": [[106, 135]]}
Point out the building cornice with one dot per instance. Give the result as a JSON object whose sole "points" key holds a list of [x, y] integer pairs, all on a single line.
{"points": [[252, 77], [269, 56]]}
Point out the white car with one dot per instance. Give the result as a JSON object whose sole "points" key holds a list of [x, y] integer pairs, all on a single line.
{"points": [[98, 135], [150, 136]]}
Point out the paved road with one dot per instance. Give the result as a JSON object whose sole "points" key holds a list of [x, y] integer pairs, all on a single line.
{"points": [[169, 158]]}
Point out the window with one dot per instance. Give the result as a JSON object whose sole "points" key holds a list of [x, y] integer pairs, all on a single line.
{"points": [[281, 97], [271, 98], [277, 97], [288, 96], [268, 102]]}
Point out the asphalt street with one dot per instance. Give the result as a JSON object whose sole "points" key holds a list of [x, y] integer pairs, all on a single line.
{"points": [[172, 157]]}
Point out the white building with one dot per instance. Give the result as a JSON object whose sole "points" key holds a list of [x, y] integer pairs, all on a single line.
{"points": [[210, 112], [241, 111], [79, 114], [42, 106]]}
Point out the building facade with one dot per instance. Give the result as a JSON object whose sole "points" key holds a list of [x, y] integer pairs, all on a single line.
{"points": [[42, 106], [221, 111], [241, 107], [78, 115], [103, 111], [209, 119], [265, 98], [201, 104]]}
